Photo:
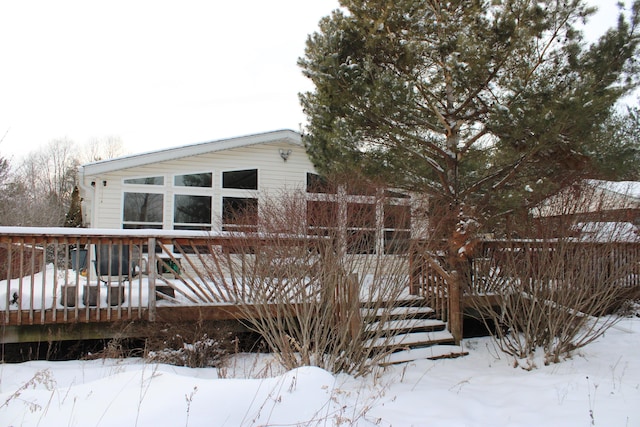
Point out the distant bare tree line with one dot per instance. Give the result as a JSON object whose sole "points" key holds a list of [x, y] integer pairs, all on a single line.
{"points": [[36, 191]]}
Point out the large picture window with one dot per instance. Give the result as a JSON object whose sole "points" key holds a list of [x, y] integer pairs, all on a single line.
{"points": [[191, 212], [397, 228], [142, 210], [239, 214], [367, 219], [361, 228], [321, 215]]}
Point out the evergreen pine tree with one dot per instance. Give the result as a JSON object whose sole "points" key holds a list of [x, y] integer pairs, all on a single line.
{"points": [[73, 218], [485, 105]]}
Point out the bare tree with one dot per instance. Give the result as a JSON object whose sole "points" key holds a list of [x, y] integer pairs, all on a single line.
{"points": [[103, 148], [42, 185]]}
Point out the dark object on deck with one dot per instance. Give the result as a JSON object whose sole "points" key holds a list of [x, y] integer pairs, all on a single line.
{"points": [[78, 259], [113, 263]]}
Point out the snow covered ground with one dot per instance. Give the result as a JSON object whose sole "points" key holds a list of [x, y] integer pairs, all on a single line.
{"points": [[599, 386]]}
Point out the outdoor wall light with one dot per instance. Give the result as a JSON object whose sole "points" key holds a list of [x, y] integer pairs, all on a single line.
{"points": [[284, 154]]}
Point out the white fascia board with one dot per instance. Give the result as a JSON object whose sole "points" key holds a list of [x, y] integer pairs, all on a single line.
{"points": [[134, 160]]}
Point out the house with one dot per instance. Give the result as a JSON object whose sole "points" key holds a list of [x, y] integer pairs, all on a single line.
{"points": [[587, 203], [222, 186]]}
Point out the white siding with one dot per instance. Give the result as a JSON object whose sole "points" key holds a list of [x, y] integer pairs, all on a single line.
{"points": [[274, 176]]}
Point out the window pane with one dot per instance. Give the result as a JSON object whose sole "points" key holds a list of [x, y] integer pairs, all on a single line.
{"points": [[143, 207], [396, 242], [322, 214], [361, 242], [242, 179], [239, 213], [318, 184], [193, 180], [150, 180], [397, 216], [192, 209], [361, 215]]}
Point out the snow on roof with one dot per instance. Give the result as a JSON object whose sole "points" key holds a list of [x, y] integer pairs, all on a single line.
{"points": [[626, 188], [608, 231], [124, 162], [591, 195]]}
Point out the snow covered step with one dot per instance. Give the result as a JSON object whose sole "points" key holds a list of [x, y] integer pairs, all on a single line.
{"points": [[411, 340], [407, 325], [396, 312], [432, 353]]}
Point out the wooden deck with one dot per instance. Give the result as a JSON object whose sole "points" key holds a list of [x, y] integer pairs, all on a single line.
{"points": [[54, 283]]}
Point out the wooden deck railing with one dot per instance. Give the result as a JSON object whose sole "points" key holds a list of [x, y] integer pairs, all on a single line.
{"points": [[63, 275], [430, 279]]}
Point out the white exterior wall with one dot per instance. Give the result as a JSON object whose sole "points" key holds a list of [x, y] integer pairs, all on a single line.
{"points": [[103, 201]]}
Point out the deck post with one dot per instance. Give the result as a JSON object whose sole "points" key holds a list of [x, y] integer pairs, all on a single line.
{"points": [[151, 250], [455, 306]]}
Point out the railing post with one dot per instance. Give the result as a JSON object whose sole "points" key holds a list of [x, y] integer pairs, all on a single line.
{"points": [[455, 306], [151, 250]]}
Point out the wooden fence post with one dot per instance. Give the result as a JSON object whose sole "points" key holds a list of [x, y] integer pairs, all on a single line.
{"points": [[151, 250]]}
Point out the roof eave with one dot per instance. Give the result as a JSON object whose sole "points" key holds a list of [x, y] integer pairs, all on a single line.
{"points": [[126, 162]]}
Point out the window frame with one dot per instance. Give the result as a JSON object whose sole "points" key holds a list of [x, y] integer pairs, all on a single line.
{"points": [[137, 224], [228, 171]]}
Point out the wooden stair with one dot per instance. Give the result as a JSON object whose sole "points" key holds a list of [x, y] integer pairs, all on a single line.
{"points": [[410, 331]]}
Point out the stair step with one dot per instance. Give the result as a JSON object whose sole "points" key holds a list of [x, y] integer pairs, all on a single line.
{"points": [[407, 325], [432, 353], [397, 312], [411, 340], [404, 301]]}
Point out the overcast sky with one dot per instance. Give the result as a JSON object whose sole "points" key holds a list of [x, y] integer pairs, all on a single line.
{"points": [[156, 73]]}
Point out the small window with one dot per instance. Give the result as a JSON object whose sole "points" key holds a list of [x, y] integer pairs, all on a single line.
{"points": [[150, 180], [142, 210], [194, 180], [319, 184], [239, 214], [241, 179], [189, 210]]}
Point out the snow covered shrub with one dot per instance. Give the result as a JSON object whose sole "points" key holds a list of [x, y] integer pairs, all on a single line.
{"points": [[203, 353], [194, 345]]}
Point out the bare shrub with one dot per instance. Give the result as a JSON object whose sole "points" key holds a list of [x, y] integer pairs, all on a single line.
{"points": [[315, 300], [556, 294], [323, 264]]}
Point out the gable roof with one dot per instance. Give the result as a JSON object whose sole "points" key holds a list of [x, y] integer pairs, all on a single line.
{"points": [[133, 160]]}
